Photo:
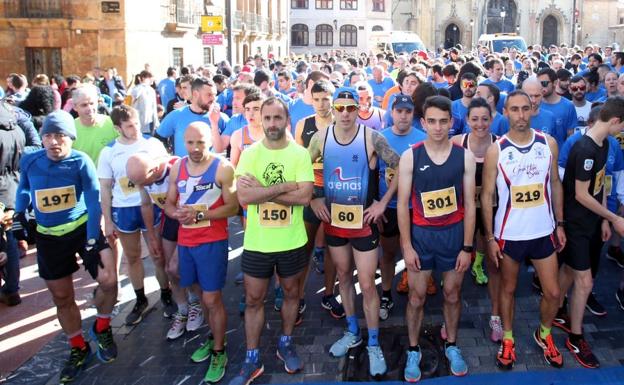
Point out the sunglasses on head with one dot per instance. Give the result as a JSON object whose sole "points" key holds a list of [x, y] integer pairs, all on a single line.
{"points": [[545, 83], [468, 84], [349, 108], [577, 88]]}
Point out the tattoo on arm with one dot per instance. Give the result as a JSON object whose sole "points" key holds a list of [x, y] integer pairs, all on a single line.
{"points": [[384, 150]]}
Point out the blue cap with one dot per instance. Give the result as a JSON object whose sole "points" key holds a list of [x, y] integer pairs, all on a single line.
{"points": [[403, 101], [59, 122], [347, 93]]}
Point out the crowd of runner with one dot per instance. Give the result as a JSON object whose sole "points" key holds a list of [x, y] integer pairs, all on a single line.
{"points": [[456, 161]]}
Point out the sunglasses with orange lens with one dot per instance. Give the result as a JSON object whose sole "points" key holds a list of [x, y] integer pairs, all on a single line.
{"points": [[468, 84], [349, 108]]}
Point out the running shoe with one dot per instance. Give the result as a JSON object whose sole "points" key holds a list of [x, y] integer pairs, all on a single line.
{"points": [[318, 257], [583, 354], [346, 342], [619, 297], [216, 369], [169, 307], [249, 372], [178, 326], [385, 306], [239, 279], [552, 355], [335, 308], [279, 298], [412, 367], [402, 286], [506, 356], [562, 321], [195, 316], [376, 362], [78, 360], [456, 361], [497, 329], [479, 274], [615, 254], [204, 351], [288, 354], [137, 313], [431, 287], [106, 348], [594, 306]]}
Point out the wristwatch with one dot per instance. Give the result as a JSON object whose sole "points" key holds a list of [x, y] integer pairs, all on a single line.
{"points": [[561, 223], [468, 249], [90, 243], [199, 216]]}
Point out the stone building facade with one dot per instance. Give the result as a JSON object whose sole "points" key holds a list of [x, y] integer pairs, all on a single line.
{"points": [[444, 23], [75, 36]]}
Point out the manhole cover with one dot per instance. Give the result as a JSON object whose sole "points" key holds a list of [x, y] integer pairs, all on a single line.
{"points": [[394, 343]]}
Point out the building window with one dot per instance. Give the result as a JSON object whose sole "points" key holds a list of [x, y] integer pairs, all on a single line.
{"points": [[43, 61], [37, 9], [348, 35], [207, 55], [379, 5], [299, 4], [324, 4], [299, 35], [324, 35], [178, 57], [348, 4], [377, 28]]}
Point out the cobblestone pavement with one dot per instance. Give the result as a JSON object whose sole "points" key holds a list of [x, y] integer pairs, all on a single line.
{"points": [[145, 357]]}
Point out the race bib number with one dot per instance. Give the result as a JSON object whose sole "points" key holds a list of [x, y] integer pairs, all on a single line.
{"points": [[620, 139], [390, 173], [201, 224], [127, 187], [439, 202], [274, 215], [527, 196], [159, 199], [599, 181], [347, 216], [56, 199], [608, 184]]}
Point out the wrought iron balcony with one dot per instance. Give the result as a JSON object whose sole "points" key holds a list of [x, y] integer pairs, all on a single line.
{"points": [[37, 9]]}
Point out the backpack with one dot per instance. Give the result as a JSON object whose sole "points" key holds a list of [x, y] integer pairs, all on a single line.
{"points": [[8, 121]]}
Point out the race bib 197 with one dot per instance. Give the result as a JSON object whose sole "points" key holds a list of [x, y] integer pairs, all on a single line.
{"points": [[56, 199]]}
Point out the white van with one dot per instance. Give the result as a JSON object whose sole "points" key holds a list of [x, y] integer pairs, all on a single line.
{"points": [[496, 42], [395, 42]]}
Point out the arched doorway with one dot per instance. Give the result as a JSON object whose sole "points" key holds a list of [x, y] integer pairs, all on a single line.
{"points": [[451, 36], [550, 31], [502, 16]]}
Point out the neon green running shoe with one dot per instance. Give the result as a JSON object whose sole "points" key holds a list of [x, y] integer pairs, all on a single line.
{"points": [[216, 370], [478, 273]]}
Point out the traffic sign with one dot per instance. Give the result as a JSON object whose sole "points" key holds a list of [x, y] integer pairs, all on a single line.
{"points": [[212, 23], [212, 39]]}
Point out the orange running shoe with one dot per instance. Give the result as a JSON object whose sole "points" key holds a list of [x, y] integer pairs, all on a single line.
{"points": [[506, 356], [402, 287], [551, 354]]}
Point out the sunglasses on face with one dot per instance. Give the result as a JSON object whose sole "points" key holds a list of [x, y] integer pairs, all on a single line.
{"points": [[545, 83], [349, 108], [468, 84], [577, 88]]}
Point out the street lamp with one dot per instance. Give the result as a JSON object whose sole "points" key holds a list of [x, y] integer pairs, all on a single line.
{"points": [[502, 15]]}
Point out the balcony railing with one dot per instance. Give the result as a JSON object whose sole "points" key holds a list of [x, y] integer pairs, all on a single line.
{"points": [[264, 24], [37, 9], [239, 19], [181, 12]]}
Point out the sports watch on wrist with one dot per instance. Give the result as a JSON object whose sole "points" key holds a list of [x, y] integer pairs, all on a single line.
{"points": [[468, 248], [199, 216]]}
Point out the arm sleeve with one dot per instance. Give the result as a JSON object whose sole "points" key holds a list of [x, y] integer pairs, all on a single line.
{"points": [[22, 196], [91, 190], [104, 169], [583, 159], [167, 126]]}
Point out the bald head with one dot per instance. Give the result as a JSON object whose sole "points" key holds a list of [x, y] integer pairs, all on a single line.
{"points": [[141, 168], [533, 88], [197, 141]]}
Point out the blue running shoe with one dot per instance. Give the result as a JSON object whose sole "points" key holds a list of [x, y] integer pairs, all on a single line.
{"points": [[376, 363], [106, 347], [412, 367], [456, 361], [279, 298], [342, 346], [288, 354], [249, 372]]}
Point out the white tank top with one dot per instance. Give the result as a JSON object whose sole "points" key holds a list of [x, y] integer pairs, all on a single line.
{"points": [[524, 196]]}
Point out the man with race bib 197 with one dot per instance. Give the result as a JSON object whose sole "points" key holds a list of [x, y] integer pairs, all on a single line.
{"points": [[63, 186]]}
